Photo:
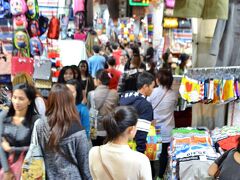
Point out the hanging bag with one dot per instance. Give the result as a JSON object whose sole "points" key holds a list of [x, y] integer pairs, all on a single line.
{"points": [[22, 64], [54, 28], [20, 22], [170, 4], [42, 69], [18, 7], [33, 9]]}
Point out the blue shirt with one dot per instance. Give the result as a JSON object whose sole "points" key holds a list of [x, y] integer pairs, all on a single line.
{"points": [[84, 116], [95, 63]]}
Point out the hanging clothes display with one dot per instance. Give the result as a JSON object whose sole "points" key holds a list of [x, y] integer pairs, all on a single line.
{"points": [[226, 39], [206, 9], [218, 86]]}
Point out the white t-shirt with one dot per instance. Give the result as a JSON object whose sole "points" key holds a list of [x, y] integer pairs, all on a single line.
{"points": [[121, 162]]}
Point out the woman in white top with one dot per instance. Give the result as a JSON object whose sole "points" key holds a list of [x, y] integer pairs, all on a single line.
{"points": [[164, 100], [115, 160]]}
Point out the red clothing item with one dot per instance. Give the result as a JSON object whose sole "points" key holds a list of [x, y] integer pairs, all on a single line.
{"points": [[115, 78], [229, 143], [116, 54]]}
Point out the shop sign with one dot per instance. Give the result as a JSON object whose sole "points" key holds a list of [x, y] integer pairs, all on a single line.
{"points": [[139, 2]]}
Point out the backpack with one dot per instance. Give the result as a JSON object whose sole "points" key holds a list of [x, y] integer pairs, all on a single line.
{"points": [[54, 28], [33, 28], [20, 22], [79, 20], [33, 9], [43, 24], [4, 8], [36, 46], [21, 42], [18, 7]]}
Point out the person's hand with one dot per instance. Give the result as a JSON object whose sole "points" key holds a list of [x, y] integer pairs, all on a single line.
{"points": [[5, 145], [8, 176]]}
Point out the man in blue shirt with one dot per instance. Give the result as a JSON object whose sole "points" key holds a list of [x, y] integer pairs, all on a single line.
{"points": [[96, 62]]}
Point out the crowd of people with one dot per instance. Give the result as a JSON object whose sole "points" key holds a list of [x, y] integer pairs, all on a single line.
{"points": [[129, 94]]}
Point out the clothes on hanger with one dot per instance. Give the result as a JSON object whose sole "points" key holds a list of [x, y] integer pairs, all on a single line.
{"points": [[226, 39], [206, 9]]}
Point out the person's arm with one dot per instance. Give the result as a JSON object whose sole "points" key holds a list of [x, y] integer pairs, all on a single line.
{"points": [[3, 155], [82, 156], [213, 169], [143, 126]]}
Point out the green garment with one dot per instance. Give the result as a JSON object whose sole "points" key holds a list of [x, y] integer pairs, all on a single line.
{"points": [[206, 9]]}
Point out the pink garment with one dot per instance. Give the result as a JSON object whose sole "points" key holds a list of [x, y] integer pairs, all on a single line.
{"points": [[80, 36], [78, 5]]}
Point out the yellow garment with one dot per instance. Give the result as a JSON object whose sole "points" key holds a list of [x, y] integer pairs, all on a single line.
{"points": [[190, 89], [228, 90]]}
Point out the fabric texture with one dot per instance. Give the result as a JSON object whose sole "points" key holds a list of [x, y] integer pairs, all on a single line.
{"points": [[206, 9], [120, 161], [226, 39], [75, 145]]}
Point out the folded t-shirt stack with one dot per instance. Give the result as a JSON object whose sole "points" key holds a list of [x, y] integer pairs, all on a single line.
{"points": [[191, 154], [226, 137]]}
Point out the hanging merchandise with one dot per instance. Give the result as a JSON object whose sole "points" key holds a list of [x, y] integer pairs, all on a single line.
{"points": [[64, 27], [21, 42], [33, 10], [78, 5], [42, 69], [36, 46], [43, 24], [80, 35], [168, 12], [211, 85], [4, 79], [184, 23], [22, 64], [170, 22], [43, 84], [79, 20], [225, 42], [217, 9], [18, 7], [20, 22], [170, 3], [33, 28], [4, 8], [5, 62], [54, 28]]}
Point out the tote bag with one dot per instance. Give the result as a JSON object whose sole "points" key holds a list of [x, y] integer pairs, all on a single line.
{"points": [[22, 64], [33, 166]]}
